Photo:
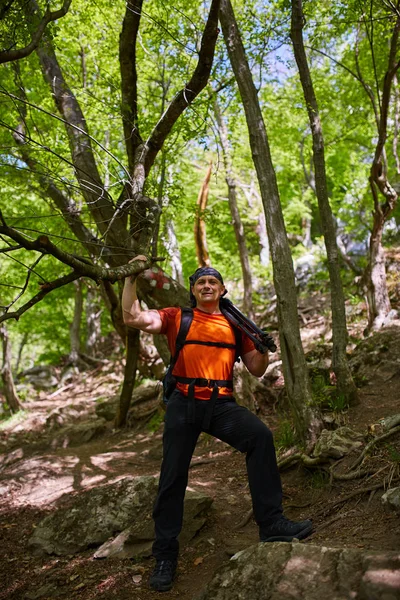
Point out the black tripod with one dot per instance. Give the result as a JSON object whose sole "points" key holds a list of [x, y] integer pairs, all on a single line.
{"points": [[261, 339]]}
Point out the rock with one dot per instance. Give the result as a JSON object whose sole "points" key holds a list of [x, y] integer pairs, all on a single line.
{"points": [[41, 376], [95, 516], [390, 422], [337, 443], [136, 541], [81, 433], [107, 409], [391, 498], [99, 514], [282, 571], [60, 416]]}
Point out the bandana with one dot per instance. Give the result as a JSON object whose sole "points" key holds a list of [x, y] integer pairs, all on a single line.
{"points": [[201, 272]]}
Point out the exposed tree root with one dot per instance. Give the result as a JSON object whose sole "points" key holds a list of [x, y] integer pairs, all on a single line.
{"points": [[300, 457], [245, 520], [337, 517], [353, 494], [353, 475], [372, 443]]}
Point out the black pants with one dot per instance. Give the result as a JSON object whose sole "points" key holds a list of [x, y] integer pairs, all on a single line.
{"points": [[230, 423]]}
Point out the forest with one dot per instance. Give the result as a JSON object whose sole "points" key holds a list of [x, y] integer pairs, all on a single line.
{"points": [[258, 138]]}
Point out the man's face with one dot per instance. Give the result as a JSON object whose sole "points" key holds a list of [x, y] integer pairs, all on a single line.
{"points": [[207, 290]]}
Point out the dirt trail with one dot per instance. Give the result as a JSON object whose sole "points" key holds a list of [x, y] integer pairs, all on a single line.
{"points": [[36, 476]]}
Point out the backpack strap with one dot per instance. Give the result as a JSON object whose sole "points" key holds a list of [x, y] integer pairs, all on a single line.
{"points": [[169, 381], [186, 321]]}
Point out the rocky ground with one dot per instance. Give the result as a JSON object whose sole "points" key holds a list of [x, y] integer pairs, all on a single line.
{"points": [[49, 458]]}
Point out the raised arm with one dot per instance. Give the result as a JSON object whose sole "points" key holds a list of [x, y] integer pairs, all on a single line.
{"points": [[134, 316]]}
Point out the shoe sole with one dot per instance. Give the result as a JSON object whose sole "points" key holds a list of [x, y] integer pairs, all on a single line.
{"points": [[289, 538], [161, 588]]}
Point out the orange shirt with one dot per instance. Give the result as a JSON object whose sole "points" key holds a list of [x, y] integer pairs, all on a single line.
{"points": [[195, 360]]}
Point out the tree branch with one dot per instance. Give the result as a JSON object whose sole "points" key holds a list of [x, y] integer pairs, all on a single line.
{"points": [[83, 159], [48, 17], [24, 287], [191, 90], [127, 61], [85, 269], [45, 289], [393, 67]]}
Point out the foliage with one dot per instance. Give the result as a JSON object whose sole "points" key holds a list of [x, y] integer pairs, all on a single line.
{"points": [[285, 435], [86, 42]]}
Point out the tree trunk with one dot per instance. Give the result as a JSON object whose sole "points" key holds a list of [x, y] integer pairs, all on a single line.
{"points": [[377, 296], [236, 220], [261, 231], [295, 370], [93, 327], [174, 253], [6, 373], [75, 328], [345, 383], [20, 350], [132, 354], [200, 238]]}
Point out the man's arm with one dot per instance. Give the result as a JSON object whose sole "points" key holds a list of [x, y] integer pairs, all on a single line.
{"points": [[133, 315], [255, 362]]}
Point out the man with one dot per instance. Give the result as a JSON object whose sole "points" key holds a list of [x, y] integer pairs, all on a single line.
{"points": [[203, 401]]}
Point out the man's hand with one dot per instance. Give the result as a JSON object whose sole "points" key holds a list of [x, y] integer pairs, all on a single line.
{"points": [[134, 316], [138, 257]]}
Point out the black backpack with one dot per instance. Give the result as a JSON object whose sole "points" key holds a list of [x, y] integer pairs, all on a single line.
{"points": [[169, 381]]}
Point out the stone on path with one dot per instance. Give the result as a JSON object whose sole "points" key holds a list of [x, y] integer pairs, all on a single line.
{"points": [[391, 498], [337, 443], [99, 514], [282, 571]]}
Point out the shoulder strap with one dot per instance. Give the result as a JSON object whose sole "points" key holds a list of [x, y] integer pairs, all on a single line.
{"points": [[186, 321]]}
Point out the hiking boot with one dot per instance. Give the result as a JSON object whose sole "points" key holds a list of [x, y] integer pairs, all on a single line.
{"points": [[283, 530], [163, 575]]}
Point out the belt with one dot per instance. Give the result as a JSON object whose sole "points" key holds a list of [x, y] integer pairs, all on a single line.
{"points": [[202, 382]]}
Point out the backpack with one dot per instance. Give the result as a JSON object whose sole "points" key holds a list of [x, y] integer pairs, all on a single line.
{"points": [[169, 381]]}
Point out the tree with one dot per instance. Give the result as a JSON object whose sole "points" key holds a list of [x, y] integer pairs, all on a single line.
{"points": [[377, 293], [345, 383], [127, 223], [6, 373], [233, 207], [294, 365]]}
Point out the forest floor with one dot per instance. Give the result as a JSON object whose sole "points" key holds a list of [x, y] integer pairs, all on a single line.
{"points": [[36, 475]]}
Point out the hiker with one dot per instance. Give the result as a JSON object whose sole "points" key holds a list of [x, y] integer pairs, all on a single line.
{"points": [[202, 401]]}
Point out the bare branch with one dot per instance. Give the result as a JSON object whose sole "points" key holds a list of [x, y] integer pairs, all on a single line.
{"points": [[393, 67], [191, 90], [45, 289], [396, 123], [69, 124], [127, 61], [361, 79], [10, 249], [82, 266], [48, 17], [83, 159], [24, 287]]}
